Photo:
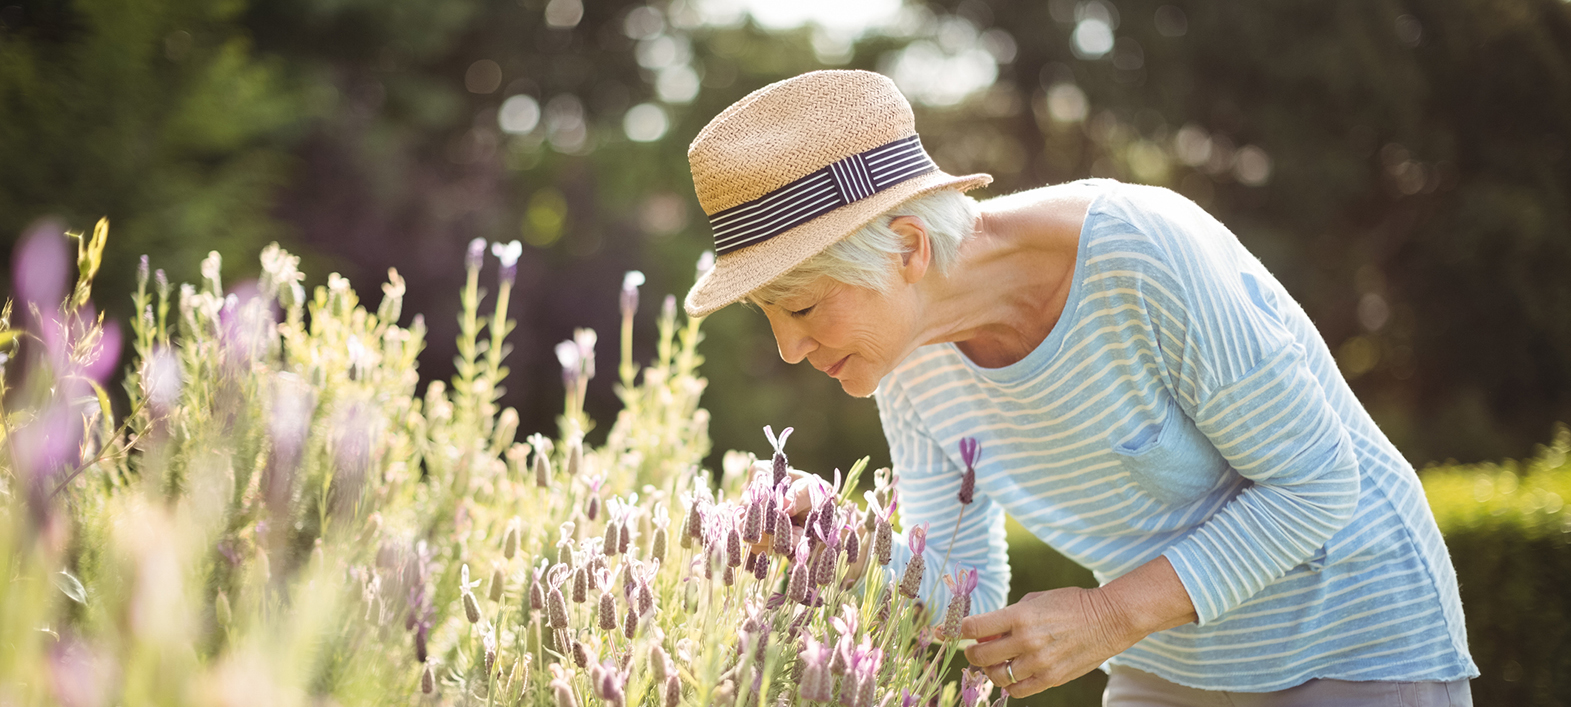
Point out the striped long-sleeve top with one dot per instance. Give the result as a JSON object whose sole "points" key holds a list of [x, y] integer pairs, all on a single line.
{"points": [[1185, 406]]}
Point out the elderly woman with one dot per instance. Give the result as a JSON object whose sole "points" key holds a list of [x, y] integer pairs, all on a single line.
{"points": [[1149, 400]]}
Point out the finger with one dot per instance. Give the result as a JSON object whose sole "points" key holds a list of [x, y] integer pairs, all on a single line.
{"points": [[992, 623], [1028, 685], [994, 653]]}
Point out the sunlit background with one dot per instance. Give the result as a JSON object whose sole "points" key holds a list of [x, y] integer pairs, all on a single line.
{"points": [[1400, 166]]}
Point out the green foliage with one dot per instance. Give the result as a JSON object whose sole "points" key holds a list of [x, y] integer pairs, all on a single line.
{"points": [[164, 105], [1509, 532], [283, 520]]}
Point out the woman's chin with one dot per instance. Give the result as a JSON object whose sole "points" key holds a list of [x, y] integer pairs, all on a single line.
{"points": [[858, 387]]}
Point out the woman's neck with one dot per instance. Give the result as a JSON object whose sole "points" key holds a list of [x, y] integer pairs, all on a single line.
{"points": [[1011, 282]]}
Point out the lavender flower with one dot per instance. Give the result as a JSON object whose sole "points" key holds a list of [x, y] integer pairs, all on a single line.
{"points": [[497, 579], [427, 680], [960, 604], [673, 691], [975, 687], [911, 584], [733, 547], [657, 546], [782, 545], [971, 453], [780, 469], [817, 684], [475, 257], [753, 524], [613, 531], [508, 255], [629, 300], [761, 567], [580, 585], [556, 604], [796, 587], [607, 611], [510, 540]]}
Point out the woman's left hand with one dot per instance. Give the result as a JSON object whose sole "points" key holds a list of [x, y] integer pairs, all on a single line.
{"points": [[1056, 636], [1049, 637]]}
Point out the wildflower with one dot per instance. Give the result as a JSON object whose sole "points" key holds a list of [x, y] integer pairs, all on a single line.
{"points": [[508, 255], [575, 461], [824, 568], [629, 300], [853, 545], [556, 604], [816, 684], [960, 604], [562, 686], [782, 544], [673, 691], [631, 623], [580, 654], [753, 522], [510, 540], [660, 664], [607, 611], [471, 608], [613, 533], [624, 537], [971, 453], [883, 537], [542, 447], [761, 567], [733, 547], [780, 469], [475, 255], [657, 545], [427, 680], [497, 579], [580, 585], [911, 584], [796, 587], [975, 687], [646, 597], [536, 591]]}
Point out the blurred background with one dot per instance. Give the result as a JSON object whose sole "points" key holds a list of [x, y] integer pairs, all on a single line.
{"points": [[1402, 167]]}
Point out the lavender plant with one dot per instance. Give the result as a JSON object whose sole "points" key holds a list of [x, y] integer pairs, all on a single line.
{"points": [[281, 517]]}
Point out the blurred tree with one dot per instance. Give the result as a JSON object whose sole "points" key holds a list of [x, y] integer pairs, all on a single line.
{"points": [[154, 113]]}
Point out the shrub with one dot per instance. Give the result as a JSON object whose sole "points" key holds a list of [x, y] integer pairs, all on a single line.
{"points": [[1509, 533], [282, 519]]}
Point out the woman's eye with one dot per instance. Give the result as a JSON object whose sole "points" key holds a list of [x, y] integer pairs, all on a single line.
{"points": [[803, 311]]}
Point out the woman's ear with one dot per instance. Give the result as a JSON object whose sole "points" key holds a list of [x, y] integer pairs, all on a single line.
{"points": [[916, 252]]}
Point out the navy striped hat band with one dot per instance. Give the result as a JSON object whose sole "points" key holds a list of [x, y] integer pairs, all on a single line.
{"points": [[843, 182]]}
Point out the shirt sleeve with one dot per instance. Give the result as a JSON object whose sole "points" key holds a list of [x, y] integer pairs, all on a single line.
{"points": [[929, 489], [1243, 378]]}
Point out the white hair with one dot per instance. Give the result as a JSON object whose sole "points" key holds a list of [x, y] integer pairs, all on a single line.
{"points": [[867, 257]]}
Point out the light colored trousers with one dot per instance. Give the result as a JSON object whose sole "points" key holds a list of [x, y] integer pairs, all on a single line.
{"points": [[1127, 687]]}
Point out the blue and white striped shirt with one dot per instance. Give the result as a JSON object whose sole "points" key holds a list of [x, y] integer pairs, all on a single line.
{"points": [[1185, 406]]}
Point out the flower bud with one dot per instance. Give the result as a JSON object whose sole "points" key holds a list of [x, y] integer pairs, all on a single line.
{"points": [[631, 624], [471, 607], [510, 541], [611, 543], [497, 579], [911, 584], [824, 568], [542, 469], [624, 537], [607, 612], [580, 585], [592, 511], [657, 546], [733, 548], [761, 567], [728, 576], [427, 680], [575, 458], [646, 598], [659, 663], [796, 587], [474, 258], [673, 691], [884, 543], [782, 545], [853, 546], [753, 524], [557, 608], [536, 595], [580, 654]]}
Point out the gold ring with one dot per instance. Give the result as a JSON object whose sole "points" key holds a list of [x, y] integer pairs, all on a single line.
{"points": [[1009, 668]]}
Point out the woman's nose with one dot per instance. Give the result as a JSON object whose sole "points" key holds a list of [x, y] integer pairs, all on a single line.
{"points": [[793, 341]]}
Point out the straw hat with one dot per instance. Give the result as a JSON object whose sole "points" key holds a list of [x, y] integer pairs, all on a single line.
{"points": [[797, 165]]}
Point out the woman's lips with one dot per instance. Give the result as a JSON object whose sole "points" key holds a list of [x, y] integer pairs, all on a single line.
{"points": [[834, 371]]}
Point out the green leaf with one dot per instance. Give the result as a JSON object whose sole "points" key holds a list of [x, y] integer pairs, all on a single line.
{"points": [[71, 586]]}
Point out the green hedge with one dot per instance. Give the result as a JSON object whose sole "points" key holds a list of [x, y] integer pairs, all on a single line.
{"points": [[1508, 526]]}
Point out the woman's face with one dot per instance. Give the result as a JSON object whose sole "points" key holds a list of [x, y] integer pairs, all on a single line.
{"points": [[852, 334]]}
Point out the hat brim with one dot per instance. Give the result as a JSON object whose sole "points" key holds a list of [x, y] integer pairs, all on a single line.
{"points": [[740, 272]]}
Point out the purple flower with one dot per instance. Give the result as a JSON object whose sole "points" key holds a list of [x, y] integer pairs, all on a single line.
{"points": [[816, 684], [975, 687], [971, 453], [780, 458], [917, 538]]}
